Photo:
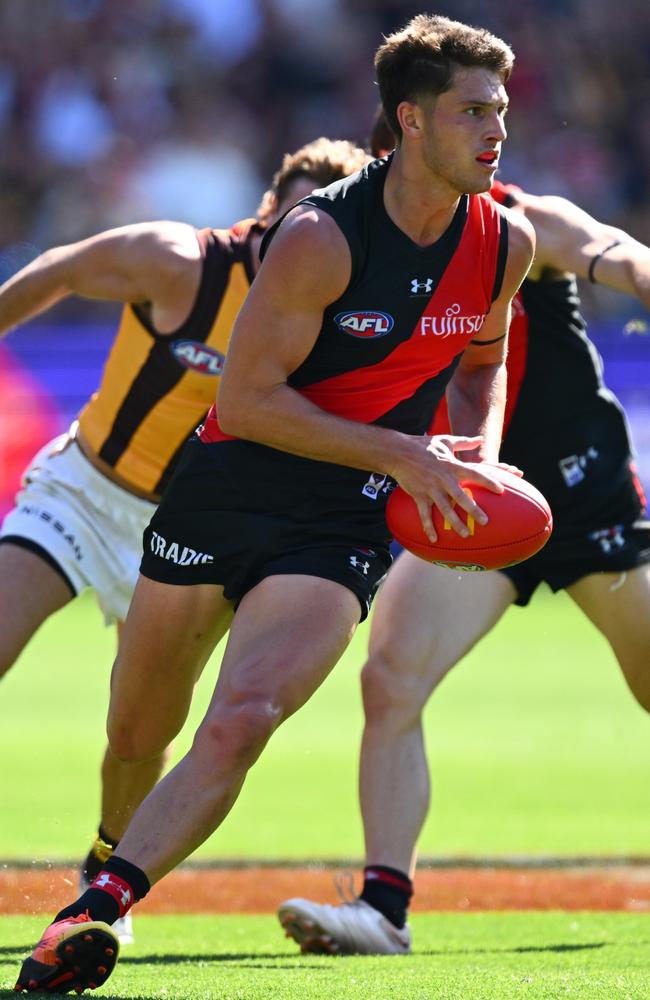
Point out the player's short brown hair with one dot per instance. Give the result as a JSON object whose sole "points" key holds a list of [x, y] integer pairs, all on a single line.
{"points": [[421, 60], [323, 161]]}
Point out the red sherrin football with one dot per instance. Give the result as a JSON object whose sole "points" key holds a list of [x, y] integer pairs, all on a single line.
{"points": [[520, 523]]}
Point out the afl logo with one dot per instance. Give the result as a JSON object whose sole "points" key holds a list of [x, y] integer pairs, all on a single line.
{"points": [[366, 323], [196, 356]]}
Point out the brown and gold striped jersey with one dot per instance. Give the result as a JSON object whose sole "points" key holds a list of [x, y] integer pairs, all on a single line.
{"points": [[156, 388]]}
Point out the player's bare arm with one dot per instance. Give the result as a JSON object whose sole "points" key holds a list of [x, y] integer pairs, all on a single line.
{"points": [[476, 394], [157, 263], [570, 240], [306, 268]]}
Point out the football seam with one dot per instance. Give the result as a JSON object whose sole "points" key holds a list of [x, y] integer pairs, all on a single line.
{"points": [[459, 548]]}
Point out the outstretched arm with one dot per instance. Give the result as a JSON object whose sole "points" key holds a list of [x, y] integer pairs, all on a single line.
{"points": [[159, 263], [569, 239]]}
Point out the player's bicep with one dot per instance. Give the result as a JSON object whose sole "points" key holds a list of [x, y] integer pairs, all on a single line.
{"points": [[568, 238], [132, 263], [307, 267], [490, 346]]}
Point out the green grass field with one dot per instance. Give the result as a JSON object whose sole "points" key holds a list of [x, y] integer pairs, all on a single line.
{"points": [[538, 749], [536, 744], [539, 956]]}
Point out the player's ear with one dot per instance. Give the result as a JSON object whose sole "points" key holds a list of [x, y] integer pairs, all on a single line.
{"points": [[410, 116]]}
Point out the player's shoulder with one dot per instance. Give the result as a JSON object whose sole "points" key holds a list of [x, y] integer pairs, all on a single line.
{"points": [[520, 233], [305, 229], [164, 242], [310, 247]]}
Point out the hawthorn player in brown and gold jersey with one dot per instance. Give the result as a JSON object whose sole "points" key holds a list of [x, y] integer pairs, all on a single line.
{"points": [[89, 494]]}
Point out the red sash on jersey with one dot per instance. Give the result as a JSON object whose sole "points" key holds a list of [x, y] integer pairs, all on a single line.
{"points": [[450, 318], [517, 342]]}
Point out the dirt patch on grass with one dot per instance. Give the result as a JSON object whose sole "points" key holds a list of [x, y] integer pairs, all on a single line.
{"points": [[260, 890]]}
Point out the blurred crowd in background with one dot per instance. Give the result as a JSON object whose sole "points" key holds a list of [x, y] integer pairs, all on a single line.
{"points": [[116, 111]]}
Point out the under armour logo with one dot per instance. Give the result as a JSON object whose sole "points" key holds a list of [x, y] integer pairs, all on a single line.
{"points": [[609, 539], [102, 881], [421, 287], [363, 566]]}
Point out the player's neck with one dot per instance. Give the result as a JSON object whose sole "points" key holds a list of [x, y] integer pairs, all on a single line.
{"points": [[417, 202]]}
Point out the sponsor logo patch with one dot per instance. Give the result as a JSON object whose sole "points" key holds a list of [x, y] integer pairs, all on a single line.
{"points": [[377, 483], [174, 552], [451, 324], [56, 525], [365, 323], [197, 357], [574, 468]]}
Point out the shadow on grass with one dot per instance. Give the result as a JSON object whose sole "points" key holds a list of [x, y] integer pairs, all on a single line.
{"points": [[18, 951], [563, 947], [523, 949], [251, 960], [256, 960]]}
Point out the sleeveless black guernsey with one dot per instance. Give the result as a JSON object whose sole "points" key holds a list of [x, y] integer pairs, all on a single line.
{"points": [[389, 345]]}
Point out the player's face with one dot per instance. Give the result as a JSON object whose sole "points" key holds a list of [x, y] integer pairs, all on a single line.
{"points": [[462, 130]]}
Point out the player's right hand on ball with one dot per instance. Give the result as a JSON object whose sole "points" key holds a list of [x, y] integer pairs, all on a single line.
{"points": [[432, 474]]}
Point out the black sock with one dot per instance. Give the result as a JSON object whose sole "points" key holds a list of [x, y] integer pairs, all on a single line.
{"points": [[98, 855], [123, 885], [389, 891]]}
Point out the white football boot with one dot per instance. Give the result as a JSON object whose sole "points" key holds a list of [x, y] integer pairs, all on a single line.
{"points": [[351, 928], [123, 926]]}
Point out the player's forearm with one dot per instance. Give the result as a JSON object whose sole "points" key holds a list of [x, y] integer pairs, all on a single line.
{"points": [[476, 403], [626, 268], [640, 275], [32, 290], [286, 420]]}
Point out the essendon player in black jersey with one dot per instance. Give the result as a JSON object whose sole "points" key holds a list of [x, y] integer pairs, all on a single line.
{"points": [[567, 431], [370, 296]]}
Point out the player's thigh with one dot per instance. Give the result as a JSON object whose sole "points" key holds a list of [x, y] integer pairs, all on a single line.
{"points": [[30, 591], [618, 604], [168, 636], [427, 617], [288, 633]]}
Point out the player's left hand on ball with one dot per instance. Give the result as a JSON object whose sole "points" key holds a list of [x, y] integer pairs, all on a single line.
{"points": [[436, 481]]}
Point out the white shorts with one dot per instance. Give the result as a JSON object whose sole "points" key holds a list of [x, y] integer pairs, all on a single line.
{"points": [[90, 527]]}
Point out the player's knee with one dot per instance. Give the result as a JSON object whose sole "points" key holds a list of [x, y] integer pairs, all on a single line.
{"points": [[234, 734], [133, 744], [390, 696]]}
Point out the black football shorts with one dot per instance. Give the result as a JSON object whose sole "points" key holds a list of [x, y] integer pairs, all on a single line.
{"points": [[587, 475], [235, 513]]}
